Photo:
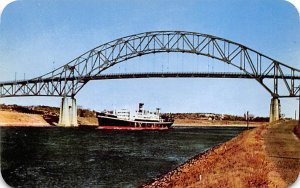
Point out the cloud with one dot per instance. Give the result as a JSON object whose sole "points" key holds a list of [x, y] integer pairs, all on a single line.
{"points": [[296, 4], [3, 4]]}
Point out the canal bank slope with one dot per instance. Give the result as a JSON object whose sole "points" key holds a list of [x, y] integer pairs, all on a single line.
{"points": [[267, 156], [12, 118]]}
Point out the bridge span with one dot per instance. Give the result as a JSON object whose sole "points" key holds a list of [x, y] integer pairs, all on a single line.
{"points": [[132, 75], [67, 80], [182, 75]]}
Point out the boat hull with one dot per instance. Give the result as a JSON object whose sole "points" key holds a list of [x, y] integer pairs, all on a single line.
{"points": [[120, 124]]}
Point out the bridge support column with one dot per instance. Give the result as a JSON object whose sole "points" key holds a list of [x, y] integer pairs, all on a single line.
{"points": [[68, 112], [274, 110]]}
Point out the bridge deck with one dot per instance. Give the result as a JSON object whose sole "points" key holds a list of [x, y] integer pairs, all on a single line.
{"points": [[152, 75]]}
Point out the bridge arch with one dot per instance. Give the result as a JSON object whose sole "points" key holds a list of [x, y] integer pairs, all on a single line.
{"points": [[251, 62], [68, 79]]}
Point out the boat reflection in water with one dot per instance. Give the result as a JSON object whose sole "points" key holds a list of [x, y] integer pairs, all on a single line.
{"points": [[141, 120]]}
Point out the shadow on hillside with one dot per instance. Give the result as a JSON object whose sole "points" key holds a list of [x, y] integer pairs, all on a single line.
{"points": [[51, 119]]}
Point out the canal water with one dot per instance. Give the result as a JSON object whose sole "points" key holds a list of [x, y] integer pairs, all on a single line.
{"points": [[74, 157]]}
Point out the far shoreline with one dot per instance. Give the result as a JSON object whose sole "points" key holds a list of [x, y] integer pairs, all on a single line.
{"points": [[215, 125], [46, 116], [173, 126]]}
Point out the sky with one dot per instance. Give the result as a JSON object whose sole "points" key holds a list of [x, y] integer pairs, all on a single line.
{"points": [[37, 36]]}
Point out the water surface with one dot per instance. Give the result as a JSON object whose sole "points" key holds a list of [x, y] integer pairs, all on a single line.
{"points": [[74, 157]]}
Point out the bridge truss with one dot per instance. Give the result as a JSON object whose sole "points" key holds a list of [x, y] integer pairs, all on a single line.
{"points": [[69, 79]]}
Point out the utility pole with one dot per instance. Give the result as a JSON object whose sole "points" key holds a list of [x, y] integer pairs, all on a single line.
{"points": [[246, 116], [247, 119]]}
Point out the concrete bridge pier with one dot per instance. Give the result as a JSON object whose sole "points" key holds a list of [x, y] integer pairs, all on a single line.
{"points": [[68, 113], [274, 110]]}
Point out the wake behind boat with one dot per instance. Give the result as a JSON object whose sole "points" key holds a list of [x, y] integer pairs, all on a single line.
{"points": [[141, 120]]}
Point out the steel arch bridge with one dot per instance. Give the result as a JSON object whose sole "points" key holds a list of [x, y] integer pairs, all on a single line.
{"points": [[69, 79]]}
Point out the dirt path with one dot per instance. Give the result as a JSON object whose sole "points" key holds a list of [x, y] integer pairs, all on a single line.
{"points": [[262, 157], [283, 147]]}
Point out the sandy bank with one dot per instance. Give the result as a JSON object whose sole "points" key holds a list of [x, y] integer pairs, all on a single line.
{"points": [[261, 157], [11, 118]]}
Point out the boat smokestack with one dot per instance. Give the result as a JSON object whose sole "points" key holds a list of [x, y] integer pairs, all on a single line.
{"points": [[157, 110], [141, 107]]}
